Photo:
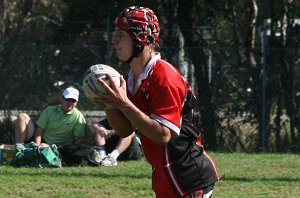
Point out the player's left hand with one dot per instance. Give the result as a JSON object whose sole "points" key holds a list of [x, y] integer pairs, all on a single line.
{"points": [[116, 97]]}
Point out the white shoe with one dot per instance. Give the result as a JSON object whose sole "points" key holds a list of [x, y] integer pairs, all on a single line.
{"points": [[95, 157], [109, 161]]}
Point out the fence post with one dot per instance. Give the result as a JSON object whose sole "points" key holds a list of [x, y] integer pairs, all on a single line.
{"points": [[263, 36]]}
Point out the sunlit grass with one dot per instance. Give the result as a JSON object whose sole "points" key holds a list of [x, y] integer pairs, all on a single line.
{"points": [[242, 175], [258, 175]]}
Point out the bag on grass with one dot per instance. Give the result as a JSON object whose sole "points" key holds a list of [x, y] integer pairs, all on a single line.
{"points": [[75, 154], [31, 155]]}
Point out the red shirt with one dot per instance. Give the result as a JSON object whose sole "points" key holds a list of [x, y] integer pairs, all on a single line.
{"points": [[160, 93]]}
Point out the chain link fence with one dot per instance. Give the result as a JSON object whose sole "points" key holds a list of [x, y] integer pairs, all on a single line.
{"points": [[243, 94]]}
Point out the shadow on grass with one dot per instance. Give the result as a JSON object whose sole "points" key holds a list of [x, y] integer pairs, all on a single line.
{"points": [[247, 179]]}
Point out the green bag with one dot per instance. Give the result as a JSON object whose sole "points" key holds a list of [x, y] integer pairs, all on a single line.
{"points": [[31, 155]]}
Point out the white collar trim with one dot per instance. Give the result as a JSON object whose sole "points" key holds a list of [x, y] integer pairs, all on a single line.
{"points": [[133, 88]]}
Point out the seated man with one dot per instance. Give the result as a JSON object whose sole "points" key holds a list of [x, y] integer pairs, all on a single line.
{"points": [[107, 141], [58, 124]]}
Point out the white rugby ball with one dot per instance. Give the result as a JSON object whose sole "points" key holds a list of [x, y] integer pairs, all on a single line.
{"points": [[90, 84]]}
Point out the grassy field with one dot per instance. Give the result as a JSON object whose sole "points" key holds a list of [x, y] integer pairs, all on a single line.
{"points": [[243, 175]]}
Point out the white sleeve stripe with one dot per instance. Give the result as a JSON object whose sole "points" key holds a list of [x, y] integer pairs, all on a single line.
{"points": [[166, 123]]}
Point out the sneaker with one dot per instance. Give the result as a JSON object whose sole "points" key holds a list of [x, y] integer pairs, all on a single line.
{"points": [[95, 157], [109, 161]]}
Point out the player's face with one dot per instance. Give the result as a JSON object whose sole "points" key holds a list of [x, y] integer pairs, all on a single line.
{"points": [[68, 104], [122, 43]]}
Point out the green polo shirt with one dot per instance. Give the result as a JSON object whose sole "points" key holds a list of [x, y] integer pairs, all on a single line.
{"points": [[60, 128]]}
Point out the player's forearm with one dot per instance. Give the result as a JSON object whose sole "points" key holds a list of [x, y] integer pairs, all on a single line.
{"points": [[119, 122], [149, 127]]}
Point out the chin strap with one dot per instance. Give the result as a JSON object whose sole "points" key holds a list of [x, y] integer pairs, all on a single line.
{"points": [[137, 49]]}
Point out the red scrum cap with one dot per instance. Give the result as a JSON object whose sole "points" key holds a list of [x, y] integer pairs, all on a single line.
{"points": [[142, 25]]}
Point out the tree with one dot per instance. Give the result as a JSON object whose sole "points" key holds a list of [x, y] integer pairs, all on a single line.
{"points": [[13, 23], [283, 31], [188, 20]]}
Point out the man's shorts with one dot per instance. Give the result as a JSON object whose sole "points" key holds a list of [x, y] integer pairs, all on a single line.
{"points": [[133, 152]]}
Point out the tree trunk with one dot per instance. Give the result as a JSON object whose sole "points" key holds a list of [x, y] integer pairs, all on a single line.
{"points": [[10, 39], [187, 20]]}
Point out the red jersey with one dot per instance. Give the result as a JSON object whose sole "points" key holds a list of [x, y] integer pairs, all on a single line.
{"points": [[162, 93]]}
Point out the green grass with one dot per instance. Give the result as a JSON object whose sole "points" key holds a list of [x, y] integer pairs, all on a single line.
{"points": [[242, 175], [258, 175]]}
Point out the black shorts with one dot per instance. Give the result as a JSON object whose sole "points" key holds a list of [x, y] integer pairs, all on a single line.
{"points": [[32, 138], [133, 152]]}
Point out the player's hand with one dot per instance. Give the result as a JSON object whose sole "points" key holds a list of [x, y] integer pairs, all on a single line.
{"points": [[116, 97]]}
